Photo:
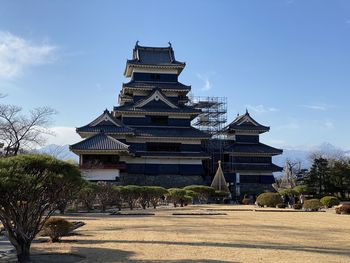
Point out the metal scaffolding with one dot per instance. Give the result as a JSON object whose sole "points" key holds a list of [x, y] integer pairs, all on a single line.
{"points": [[213, 116], [212, 120]]}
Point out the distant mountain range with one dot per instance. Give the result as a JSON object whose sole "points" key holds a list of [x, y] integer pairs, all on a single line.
{"points": [[62, 152], [59, 151]]}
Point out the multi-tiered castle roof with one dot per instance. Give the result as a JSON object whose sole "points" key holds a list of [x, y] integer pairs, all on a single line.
{"points": [[148, 137]]}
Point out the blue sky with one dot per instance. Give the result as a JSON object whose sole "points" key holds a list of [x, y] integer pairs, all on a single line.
{"points": [[287, 61]]}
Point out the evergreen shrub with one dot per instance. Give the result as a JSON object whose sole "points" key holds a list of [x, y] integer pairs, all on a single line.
{"points": [[281, 205], [343, 209], [312, 205], [330, 201], [298, 206], [269, 199], [246, 201]]}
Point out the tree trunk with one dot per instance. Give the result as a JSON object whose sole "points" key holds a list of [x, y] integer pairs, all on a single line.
{"points": [[23, 252]]}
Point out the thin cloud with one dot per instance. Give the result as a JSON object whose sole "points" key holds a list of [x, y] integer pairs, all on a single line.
{"points": [[261, 109], [17, 53], [207, 84], [63, 135], [315, 107], [329, 125]]}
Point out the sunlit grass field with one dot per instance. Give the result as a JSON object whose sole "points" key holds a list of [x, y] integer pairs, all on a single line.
{"points": [[238, 236]]}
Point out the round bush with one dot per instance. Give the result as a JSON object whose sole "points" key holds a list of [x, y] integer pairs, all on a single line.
{"points": [[330, 201], [269, 199], [246, 201], [312, 205], [343, 209], [281, 205], [56, 227], [297, 206]]}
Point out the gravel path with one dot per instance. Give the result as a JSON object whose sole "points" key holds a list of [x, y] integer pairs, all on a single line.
{"points": [[7, 252]]}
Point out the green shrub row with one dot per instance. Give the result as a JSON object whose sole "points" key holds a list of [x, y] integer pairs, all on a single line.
{"points": [[107, 195]]}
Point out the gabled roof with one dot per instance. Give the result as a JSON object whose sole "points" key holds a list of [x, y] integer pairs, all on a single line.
{"points": [[153, 57], [156, 95], [106, 119], [99, 142], [245, 123], [105, 123]]}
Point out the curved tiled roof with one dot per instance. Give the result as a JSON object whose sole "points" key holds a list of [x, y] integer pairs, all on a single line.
{"points": [[177, 132], [156, 84], [105, 123], [258, 167], [100, 142], [246, 122], [105, 129], [183, 109], [252, 148], [153, 57], [174, 154]]}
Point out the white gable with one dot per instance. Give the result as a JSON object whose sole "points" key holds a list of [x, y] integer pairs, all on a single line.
{"points": [[156, 96], [247, 118], [104, 117]]}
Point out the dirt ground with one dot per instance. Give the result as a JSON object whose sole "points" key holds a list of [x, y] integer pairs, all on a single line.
{"points": [[238, 236]]}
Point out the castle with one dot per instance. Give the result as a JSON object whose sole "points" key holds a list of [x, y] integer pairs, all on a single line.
{"points": [[149, 140]]}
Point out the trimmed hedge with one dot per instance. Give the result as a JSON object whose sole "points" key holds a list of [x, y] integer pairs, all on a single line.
{"points": [[269, 199], [204, 192], [330, 201], [312, 205], [177, 195]]}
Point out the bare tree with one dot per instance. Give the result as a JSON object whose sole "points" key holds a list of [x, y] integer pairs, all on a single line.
{"points": [[18, 131], [57, 151], [290, 170]]}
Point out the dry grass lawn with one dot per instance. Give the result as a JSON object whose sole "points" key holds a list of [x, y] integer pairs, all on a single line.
{"points": [[239, 236]]}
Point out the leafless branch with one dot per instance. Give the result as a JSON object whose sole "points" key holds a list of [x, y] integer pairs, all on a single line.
{"points": [[18, 130]]}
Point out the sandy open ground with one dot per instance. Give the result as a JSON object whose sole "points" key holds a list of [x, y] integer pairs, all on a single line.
{"points": [[239, 236]]}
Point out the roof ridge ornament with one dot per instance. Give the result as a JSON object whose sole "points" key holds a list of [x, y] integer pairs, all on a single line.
{"points": [[171, 53]]}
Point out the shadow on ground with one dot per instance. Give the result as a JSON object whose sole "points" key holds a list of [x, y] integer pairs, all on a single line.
{"points": [[251, 245]]}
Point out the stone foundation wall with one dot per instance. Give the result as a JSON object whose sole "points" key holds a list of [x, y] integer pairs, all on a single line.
{"points": [[166, 181]]}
